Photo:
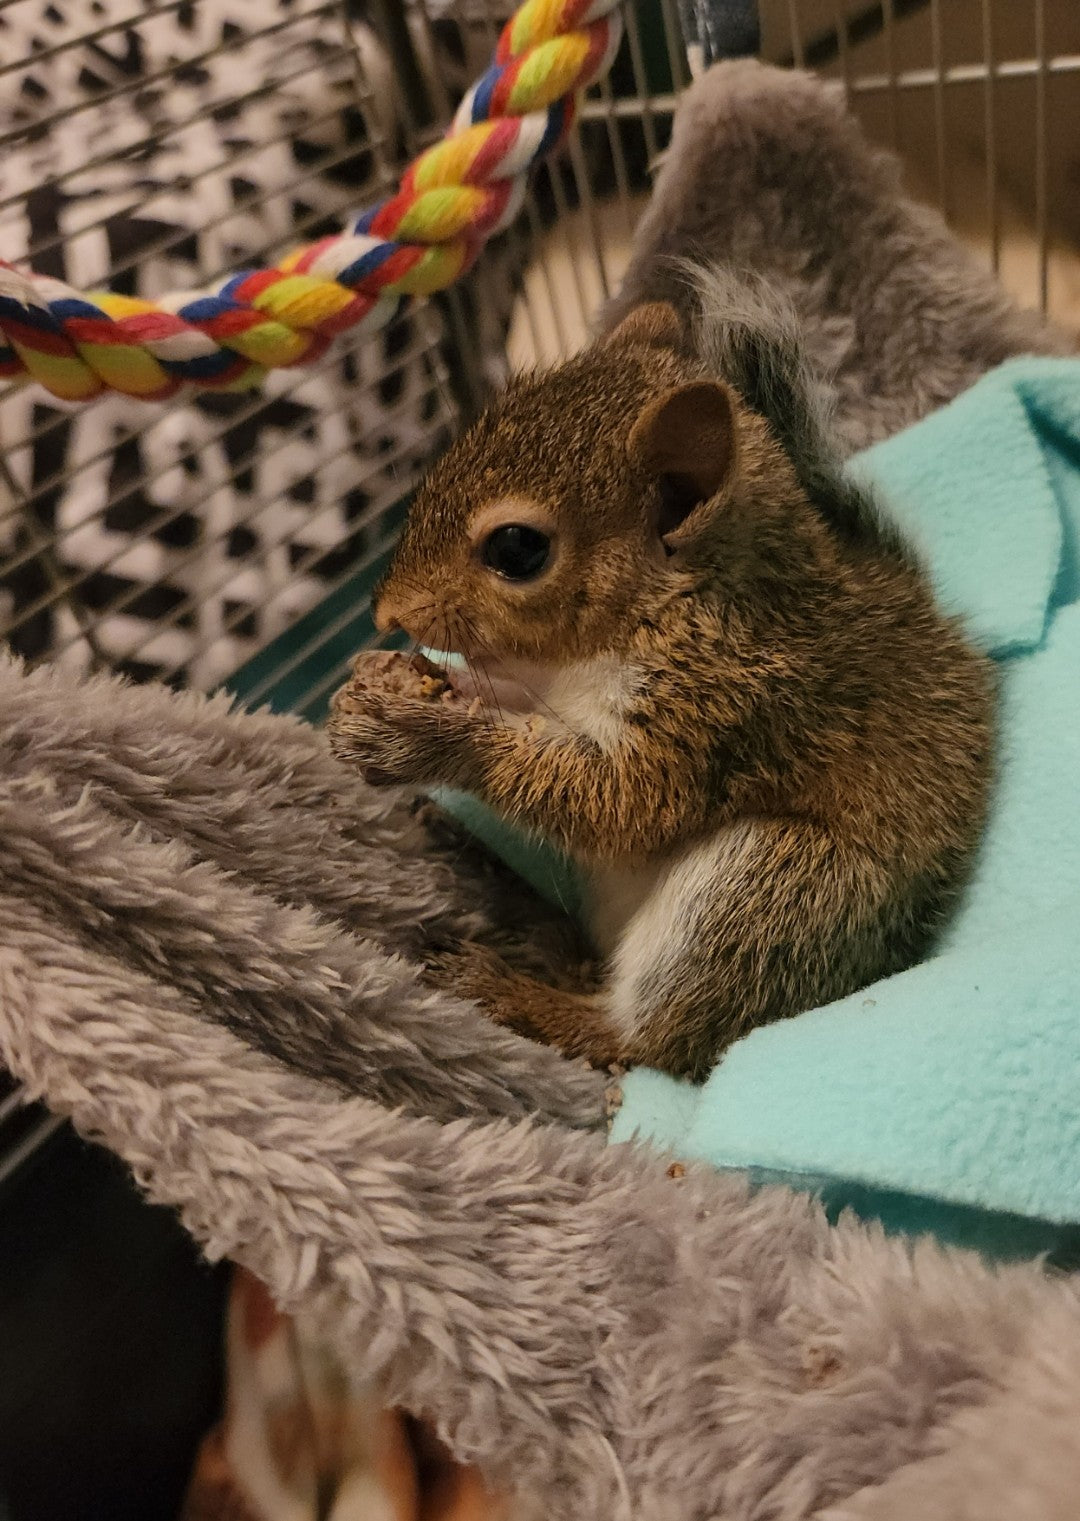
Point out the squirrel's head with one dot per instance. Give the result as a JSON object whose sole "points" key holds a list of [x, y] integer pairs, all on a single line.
{"points": [[543, 530]]}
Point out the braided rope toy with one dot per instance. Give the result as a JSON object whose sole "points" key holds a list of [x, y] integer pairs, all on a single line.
{"points": [[450, 201]]}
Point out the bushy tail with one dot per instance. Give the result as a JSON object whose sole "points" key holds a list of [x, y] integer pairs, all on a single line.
{"points": [[746, 331]]}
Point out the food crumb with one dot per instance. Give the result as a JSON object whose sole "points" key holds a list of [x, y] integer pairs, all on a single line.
{"points": [[676, 1170], [392, 671]]}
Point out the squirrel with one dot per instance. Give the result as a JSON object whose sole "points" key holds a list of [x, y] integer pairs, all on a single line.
{"points": [[709, 669]]}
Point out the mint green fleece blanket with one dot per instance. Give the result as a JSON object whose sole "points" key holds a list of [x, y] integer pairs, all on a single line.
{"points": [[947, 1097]]}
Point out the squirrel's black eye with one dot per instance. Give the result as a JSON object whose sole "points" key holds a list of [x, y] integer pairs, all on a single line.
{"points": [[516, 551]]}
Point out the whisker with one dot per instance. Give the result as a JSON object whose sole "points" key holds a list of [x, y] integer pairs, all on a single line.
{"points": [[479, 675], [526, 686], [422, 641], [487, 696], [417, 642], [540, 701], [411, 582], [423, 610], [493, 705]]}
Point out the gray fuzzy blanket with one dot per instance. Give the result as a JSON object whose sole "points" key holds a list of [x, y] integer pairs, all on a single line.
{"points": [[208, 935]]}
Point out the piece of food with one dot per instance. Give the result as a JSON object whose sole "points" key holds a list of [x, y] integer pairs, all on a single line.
{"points": [[391, 671]]}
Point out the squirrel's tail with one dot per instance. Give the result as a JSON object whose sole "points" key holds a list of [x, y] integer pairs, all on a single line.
{"points": [[746, 331]]}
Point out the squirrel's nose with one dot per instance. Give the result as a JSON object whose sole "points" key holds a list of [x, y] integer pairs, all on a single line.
{"points": [[386, 609], [386, 620], [395, 608], [400, 605]]}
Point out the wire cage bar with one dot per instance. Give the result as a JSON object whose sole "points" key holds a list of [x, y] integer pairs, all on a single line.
{"points": [[157, 146], [233, 539]]}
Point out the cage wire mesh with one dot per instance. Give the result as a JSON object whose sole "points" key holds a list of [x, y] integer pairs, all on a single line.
{"points": [[150, 147]]}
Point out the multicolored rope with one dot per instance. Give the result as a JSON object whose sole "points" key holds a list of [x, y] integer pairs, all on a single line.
{"points": [[451, 199]]}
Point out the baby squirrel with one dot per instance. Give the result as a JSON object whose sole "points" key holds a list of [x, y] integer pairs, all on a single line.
{"points": [[709, 671]]}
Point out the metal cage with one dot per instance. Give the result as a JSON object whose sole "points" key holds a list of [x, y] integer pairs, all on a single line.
{"points": [[153, 144], [150, 145]]}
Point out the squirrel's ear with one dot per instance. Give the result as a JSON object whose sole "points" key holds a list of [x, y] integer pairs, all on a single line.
{"points": [[655, 325], [687, 440]]}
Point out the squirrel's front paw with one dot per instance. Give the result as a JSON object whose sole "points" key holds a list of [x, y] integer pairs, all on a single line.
{"points": [[394, 739], [392, 729], [381, 752]]}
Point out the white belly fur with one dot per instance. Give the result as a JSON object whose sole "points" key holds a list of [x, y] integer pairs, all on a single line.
{"points": [[592, 696], [648, 921]]}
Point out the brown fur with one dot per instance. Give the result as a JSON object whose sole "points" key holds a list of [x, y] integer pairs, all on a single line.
{"points": [[795, 691]]}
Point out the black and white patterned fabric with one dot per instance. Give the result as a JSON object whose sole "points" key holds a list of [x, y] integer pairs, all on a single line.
{"points": [[177, 540]]}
